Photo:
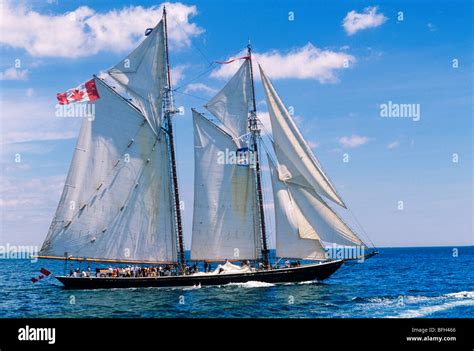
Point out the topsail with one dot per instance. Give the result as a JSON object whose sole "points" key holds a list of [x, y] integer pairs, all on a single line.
{"points": [[143, 74], [233, 103]]}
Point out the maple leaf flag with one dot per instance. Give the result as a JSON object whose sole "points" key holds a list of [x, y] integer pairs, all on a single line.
{"points": [[45, 271], [85, 92]]}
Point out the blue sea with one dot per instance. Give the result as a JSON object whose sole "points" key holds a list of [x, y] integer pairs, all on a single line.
{"points": [[397, 283]]}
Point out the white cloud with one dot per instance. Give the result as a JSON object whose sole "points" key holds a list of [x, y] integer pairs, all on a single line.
{"points": [[353, 141], [393, 145], [354, 21], [85, 32], [307, 62], [14, 74], [177, 74], [200, 87], [25, 119]]}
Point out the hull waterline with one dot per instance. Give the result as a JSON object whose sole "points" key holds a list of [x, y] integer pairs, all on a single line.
{"points": [[311, 272]]}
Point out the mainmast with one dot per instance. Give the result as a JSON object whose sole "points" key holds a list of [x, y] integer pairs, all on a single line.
{"points": [[255, 132], [168, 113]]}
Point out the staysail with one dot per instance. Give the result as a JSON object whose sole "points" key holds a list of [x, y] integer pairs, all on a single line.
{"points": [[304, 221], [297, 163], [224, 197], [295, 237], [116, 200], [143, 74]]}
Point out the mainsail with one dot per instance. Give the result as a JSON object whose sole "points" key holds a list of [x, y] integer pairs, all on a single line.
{"points": [[224, 198], [119, 199]]}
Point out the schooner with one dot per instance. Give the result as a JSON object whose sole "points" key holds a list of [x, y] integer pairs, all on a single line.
{"points": [[121, 204]]}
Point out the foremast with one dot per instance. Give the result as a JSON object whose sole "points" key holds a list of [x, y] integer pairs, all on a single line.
{"points": [[169, 111], [254, 142]]}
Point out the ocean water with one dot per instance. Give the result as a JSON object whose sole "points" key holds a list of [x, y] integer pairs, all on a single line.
{"points": [[398, 283]]}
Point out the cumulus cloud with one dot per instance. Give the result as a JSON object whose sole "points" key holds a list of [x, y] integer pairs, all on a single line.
{"points": [[353, 141], [200, 87], [177, 74], [307, 62], [85, 32], [354, 21], [14, 74]]}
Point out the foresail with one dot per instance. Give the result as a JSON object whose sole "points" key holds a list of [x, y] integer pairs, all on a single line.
{"points": [[295, 237], [116, 200], [311, 216], [296, 160], [232, 104], [224, 198], [143, 74]]}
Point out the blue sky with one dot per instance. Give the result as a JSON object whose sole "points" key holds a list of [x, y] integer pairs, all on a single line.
{"points": [[407, 61]]}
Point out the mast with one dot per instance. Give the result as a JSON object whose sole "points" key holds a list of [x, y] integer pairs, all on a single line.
{"points": [[255, 130], [168, 113]]}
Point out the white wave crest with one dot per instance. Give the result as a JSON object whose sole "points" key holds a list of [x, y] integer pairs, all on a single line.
{"points": [[251, 284]]}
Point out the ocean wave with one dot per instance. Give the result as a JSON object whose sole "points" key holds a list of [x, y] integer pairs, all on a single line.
{"points": [[430, 305], [462, 294], [194, 287], [251, 284], [428, 310]]}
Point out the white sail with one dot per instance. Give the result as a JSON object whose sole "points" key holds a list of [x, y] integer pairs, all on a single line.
{"points": [[143, 74], [232, 104], [224, 198], [297, 163], [295, 237], [116, 200]]}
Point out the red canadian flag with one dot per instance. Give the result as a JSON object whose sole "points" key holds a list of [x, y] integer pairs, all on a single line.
{"points": [[85, 92], [45, 271]]}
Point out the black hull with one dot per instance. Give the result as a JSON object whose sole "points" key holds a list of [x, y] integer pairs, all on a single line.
{"points": [[311, 272]]}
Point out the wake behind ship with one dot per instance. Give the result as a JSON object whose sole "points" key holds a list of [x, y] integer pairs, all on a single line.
{"points": [[121, 200]]}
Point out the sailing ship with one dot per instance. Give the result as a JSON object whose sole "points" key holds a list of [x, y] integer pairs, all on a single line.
{"points": [[121, 201]]}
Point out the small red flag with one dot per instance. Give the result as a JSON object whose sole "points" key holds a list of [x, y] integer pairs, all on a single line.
{"points": [[85, 92], [230, 61], [45, 271], [34, 280]]}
